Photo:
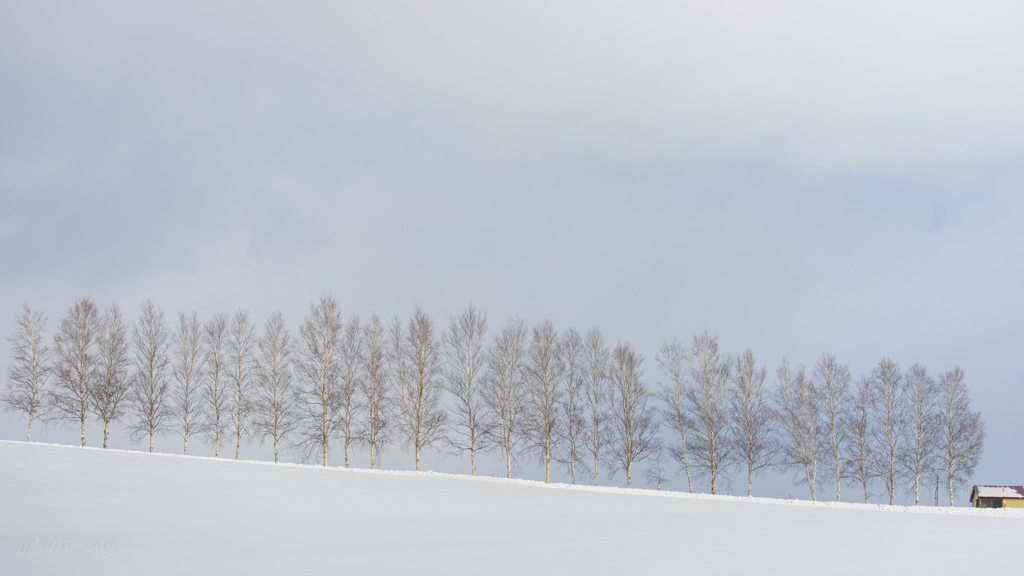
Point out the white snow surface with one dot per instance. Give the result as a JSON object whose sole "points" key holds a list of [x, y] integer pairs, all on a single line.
{"points": [[71, 510]]}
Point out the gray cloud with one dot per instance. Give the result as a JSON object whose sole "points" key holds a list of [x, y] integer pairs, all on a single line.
{"points": [[794, 177]]}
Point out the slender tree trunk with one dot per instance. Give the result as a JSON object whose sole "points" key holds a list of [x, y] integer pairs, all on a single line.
{"points": [[892, 479], [185, 430], [950, 489], [629, 479], [419, 418], [472, 441], [83, 429], [839, 484], [372, 455], [750, 480], [29, 437], [597, 447], [811, 481], [348, 419], [275, 449], [547, 462], [238, 430], [686, 465], [323, 425], [508, 465], [106, 433]]}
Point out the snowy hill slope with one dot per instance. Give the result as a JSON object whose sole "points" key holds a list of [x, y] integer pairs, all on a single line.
{"points": [[87, 511]]}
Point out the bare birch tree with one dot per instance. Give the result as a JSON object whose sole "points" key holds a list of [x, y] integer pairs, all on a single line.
{"points": [[76, 365], [544, 392], [466, 357], [857, 463], [149, 395], [671, 359], [215, 392], [421, 415], [633, 419], [112, 386], [962, 435], [187, 368], [274, 398], [707, 402], [29, 369], [504, 390], [921, 433], [596, 395], [887, 404], [349, 383], [752, 412], [799, 418], [319, 368], [831, 386], [399, 366], [572, 412], [240, 371], [655, 473], [375, 385]]}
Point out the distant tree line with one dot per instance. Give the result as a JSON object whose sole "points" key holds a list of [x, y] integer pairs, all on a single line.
{"points": [[566, 399]]}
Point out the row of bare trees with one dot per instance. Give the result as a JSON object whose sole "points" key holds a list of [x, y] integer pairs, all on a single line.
{"points": [[565, 399], [891, 428]]}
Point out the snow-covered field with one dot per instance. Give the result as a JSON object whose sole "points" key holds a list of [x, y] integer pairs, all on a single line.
{"points": [[69, 510]]}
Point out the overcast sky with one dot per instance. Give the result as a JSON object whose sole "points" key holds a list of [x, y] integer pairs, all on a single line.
{"points": [[795, 177]]}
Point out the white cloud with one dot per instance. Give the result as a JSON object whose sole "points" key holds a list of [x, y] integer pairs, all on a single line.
{"points": [[793, 176], [811, 86]]}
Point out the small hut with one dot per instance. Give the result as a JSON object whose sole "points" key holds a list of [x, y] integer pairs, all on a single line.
{"points": [[997, 496]]}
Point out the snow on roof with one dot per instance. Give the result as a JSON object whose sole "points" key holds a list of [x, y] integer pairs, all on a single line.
{"points": [[997, 492]]}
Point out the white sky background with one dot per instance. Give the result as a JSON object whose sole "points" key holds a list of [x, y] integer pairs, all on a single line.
{"points": [[794, 177]]}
